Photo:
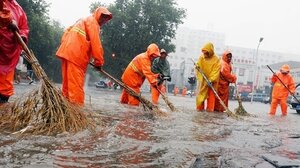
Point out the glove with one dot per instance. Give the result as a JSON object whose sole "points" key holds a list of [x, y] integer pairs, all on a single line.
{"points": [[24, 39], [234, 79], [160, 79], [98, 68], [13, 26]]}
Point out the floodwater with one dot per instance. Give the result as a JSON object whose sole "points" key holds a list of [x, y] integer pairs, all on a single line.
{"points": [[132, 137]]}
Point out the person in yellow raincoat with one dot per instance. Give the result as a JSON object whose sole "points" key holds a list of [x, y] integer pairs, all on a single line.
{"points": [[210, 64], [80, 43]]}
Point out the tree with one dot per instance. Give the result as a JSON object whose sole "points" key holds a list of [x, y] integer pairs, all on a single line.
{"points": [[44, 36], [136, 24]]}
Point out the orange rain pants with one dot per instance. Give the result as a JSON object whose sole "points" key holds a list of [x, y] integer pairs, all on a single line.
{"points": [[155, 93], [126, 98], [7, 84], [210, 101], [73, 82], [282, 103]]}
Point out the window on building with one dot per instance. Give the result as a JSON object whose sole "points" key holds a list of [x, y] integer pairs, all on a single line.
{"points": [[241, 72]]}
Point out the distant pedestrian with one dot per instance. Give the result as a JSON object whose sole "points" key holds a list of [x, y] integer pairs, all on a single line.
{"points": [[280, 93], [18, 70], [29, 74], [184, 90]]}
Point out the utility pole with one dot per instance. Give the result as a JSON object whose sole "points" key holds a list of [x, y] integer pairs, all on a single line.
{"points": [[256, 69]]}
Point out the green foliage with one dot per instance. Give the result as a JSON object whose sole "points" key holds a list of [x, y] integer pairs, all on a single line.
{"points": [[44, 36], [136, 24]]}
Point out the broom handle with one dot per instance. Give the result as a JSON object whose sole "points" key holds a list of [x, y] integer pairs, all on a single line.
{"points": [[170, 104], [283, 83], [210, 85], [20, 40], [131, 91]]}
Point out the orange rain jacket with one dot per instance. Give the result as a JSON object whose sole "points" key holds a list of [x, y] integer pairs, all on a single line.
{"points": [[82, 40], [211, 68], [137, 71], [10, 50], [226, 77], [79, 43], [176, 91], [280, 93], [184, 90]]}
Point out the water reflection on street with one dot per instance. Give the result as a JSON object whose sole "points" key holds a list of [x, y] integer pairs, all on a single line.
{"points": [[131, 137]]}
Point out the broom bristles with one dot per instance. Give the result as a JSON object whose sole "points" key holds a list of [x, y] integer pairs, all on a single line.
{"points": [[44, 110]]}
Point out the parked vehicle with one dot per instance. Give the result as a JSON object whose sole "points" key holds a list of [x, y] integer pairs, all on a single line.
{"points": [[244, 96], [258, 97], [190, 93], [101, 84], [294, 104], [267, 100]]}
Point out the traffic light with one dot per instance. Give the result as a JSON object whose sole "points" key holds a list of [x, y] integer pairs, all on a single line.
{"points": [[192, 80]]}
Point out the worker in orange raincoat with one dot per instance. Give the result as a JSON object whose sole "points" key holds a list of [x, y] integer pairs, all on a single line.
{"points": [[210, 64], [280, 93], [137, 71], [226, 77], [12, 18], [184, 90], [176, 90], [79, 43]]}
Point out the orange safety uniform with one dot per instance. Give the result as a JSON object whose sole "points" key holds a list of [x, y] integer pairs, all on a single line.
{"points": [[210, 66], [226, 77], [280, 93], [79, 43], [184, 90], [155, 93], [137, 71], [10, 50], [176, 90]]}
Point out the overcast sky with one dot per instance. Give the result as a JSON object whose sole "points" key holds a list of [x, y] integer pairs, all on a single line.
{"points": [[242, 21]]}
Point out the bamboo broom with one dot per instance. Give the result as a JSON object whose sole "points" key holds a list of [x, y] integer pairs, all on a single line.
{"points": [[240, 110], [44, 110], [166, 99]]}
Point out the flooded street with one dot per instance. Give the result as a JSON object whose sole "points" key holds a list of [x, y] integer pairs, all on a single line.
{"points": [[131, 137]]}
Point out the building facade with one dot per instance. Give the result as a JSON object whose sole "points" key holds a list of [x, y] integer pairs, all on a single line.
{"points": [[248, 63]]}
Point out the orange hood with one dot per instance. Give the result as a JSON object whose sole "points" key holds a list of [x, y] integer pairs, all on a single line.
{"points": [[153, 50], [101, 11], [225, 57]]}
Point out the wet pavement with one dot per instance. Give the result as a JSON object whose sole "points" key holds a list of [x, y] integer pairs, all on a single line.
{"points": [[131, 137]]}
